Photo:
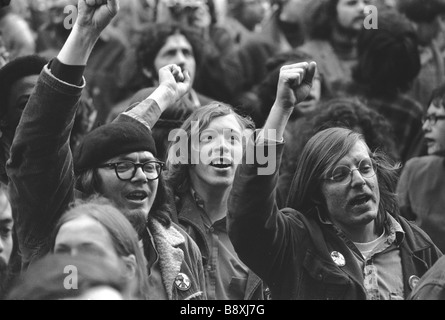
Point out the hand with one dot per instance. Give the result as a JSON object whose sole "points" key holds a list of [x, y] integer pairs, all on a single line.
{"points": [[95, 15], [294, 84], [177, 82]]}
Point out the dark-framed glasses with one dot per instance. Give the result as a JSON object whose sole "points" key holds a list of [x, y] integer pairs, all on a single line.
{"points": [[432, 118], [343, 174], [125, 170]]}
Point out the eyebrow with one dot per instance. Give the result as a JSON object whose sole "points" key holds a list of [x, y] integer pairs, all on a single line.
{"points": [[125, 158], [354, 161]]}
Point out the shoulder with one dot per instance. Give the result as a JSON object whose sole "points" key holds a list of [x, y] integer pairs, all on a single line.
{"points": [[416, 238], [431, 286], [423, 164]]}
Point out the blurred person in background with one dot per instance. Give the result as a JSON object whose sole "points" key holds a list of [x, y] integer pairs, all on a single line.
{"points": [[17, 81], [244, 17], [162, 44], [197, 14], [427, 18], [103, 68], [421, 186], [333, 27], [17, 37], [388, 61], [6, 239], [230, 78]]}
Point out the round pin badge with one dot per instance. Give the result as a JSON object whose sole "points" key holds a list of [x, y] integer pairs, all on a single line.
{"points": [[413, 281], [338, 258], [182, 282]]}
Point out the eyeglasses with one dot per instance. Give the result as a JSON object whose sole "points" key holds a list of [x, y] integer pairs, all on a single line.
{"points": [[343, 174], [126, 170], [432, 118]]}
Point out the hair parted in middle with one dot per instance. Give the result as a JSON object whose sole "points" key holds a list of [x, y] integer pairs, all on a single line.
{"points": [[323, 151]]}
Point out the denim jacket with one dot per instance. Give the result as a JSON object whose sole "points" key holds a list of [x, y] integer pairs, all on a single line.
{"points": [[42, 183], [292, 252]]}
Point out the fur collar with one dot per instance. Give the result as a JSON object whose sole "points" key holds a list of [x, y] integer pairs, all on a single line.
{"points": [[170, 256]]}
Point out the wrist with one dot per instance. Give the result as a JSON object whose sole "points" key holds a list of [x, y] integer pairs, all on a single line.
{"points": [[164, 96], [279, 108], [87, 36], [78, 46]]}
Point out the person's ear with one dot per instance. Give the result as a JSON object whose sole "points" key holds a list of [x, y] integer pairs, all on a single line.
{"points": [[130, 266]]}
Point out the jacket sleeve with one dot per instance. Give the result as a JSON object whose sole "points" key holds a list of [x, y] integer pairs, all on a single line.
{"points": [[40, 168], [260, 233]]}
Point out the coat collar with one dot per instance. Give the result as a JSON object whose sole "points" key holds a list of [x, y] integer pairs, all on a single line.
{"points": [[167, 243]]}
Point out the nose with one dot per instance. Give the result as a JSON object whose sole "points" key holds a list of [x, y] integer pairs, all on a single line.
{"points": [[2, 246], [426, 126], [74, 252], [361, 6], [222, 146], [180, 59], [357, 179], [139, 175]]}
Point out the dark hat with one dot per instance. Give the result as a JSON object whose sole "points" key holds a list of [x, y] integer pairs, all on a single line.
{"points": [[16, 69], [111, 140]]}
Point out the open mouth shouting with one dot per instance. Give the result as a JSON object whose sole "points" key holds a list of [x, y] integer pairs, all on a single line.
{"points": [[138, 196], [360, 200], [222, 163]]}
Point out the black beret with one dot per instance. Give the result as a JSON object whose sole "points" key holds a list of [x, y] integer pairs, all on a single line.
{"points": [[111, 140], [16, 69]]}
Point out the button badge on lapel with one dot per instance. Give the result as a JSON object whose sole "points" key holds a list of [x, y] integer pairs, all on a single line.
{"points": [[338, 258], [182, 282], [413, 281]]}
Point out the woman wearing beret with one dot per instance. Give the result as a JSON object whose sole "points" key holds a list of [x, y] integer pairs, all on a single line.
{"points": [[117, 161]]}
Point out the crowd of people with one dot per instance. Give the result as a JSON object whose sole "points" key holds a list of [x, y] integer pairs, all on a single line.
{"points": [[222, 149]]}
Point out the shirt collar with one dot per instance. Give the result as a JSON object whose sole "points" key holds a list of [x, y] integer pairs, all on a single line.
{"points": [[395, 233], [197, 198]]}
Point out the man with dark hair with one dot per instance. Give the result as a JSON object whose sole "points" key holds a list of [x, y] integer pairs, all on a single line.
{"points": [[162, 44], [17, 81], [427, 17]]}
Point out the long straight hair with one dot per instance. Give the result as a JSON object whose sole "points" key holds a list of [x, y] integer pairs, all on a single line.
{"points": [[321, 153], [123, 235]]}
